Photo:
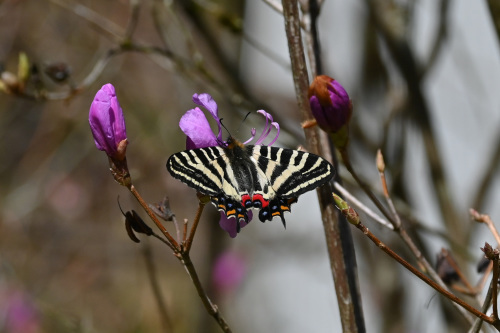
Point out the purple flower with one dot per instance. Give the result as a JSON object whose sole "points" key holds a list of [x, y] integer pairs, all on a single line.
{"points": [[107, 123], [330, 103], [21, 315], [229, 224], [228, 271], [199, 135]]}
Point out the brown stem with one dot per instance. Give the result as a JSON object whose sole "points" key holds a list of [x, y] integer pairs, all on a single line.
{"points": [[486, 304], [495, 288], [132, 23], [340, 248], [155, 286], [195, 225], [172, 242], [457, 269], [209, 306], [424, 264], [184, 231], [366, 189], [426, 279]]}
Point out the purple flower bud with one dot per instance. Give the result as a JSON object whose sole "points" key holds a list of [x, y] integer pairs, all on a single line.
{"points": [[330, 103], [107, 123]]}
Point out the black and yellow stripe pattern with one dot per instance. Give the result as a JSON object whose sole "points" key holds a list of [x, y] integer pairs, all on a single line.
{"points": [[239, 177]]}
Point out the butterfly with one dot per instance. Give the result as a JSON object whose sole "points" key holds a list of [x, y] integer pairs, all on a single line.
{"points": [[239, 177]]}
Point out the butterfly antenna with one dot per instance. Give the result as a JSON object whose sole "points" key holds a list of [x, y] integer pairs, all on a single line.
{"points": [[243, 121], [220, 121]]}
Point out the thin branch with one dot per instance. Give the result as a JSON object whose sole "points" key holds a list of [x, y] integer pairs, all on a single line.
{"points": [[132, 23], [399, 228], [347, 162], [352, 199], [211, 308], [99, 22], [427, 280], [277, 6], [440, 38], [485, 183], [495, 288], [197, 218], [155, 286], [344, 275], [172, 242], [184, 231], [486, 304], [486, 219]]}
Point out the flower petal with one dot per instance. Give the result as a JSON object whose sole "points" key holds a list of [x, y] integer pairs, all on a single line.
{"points": [[263, 136], [277, 126], [197, 129], [208, 103], [253, 131], [229, 224]]}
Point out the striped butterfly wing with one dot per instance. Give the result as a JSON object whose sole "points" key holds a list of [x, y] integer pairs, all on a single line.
{"points": [[209, 171], [291, 172], [199, 169], [287, 173]]}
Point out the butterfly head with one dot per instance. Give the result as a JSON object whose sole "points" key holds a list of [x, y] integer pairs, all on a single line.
{"points": [[232, 143]]}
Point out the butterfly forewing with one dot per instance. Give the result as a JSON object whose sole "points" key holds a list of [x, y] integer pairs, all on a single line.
{"points": [[201, 169]]}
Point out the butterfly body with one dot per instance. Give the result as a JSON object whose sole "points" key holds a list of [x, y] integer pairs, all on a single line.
{"points": [[239, 177]]}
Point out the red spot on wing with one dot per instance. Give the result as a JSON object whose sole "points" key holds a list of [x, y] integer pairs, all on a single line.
{"points": [[245, 198], [259, 197]]}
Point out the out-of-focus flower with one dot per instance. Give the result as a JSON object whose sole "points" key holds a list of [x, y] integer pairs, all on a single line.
{"points": [[108, 123], [228, 272], [331, 107], [200, 135], [21, 314]]}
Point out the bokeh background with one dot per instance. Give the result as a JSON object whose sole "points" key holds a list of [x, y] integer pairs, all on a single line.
{"points": [[420, 73]]}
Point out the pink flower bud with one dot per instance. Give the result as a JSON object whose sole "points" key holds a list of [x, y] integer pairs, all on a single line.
{"points": [[107, 123], [330, 103]]}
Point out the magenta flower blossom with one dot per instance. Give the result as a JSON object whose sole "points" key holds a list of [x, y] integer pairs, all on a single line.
{"points": [[230, 225], [108, 123], [196, 127], [21, 315], [229, 271], [330, 103], [199, 135]]}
